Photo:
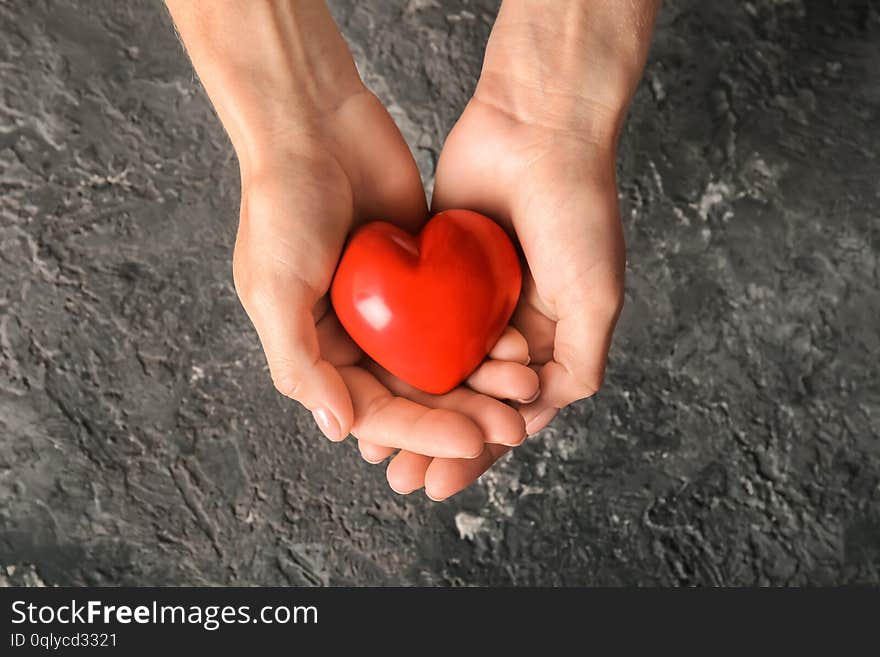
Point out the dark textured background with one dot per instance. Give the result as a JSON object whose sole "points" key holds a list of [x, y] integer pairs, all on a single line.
{"points": [[737, 440]]}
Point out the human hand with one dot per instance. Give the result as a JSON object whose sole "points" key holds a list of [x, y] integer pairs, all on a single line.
{"points": [[556, 193], [535, 150], [319, 154]]}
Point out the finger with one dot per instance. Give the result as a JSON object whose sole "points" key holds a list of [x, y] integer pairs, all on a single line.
{"points": [[406, 472], [383, 419], [446, 477], [498, 422], [373, 453], [505, 380], [336, 346], [511, 346]]}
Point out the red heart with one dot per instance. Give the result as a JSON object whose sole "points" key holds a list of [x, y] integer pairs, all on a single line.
{"points": [[428, 308]]}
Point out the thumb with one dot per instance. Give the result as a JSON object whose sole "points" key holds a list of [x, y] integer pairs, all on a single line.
{"points": [[584, 285], [282, 313], [583, 338], [280, 285]]}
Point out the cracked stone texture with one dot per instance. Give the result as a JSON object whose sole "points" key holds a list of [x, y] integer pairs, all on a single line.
{"points": [[737, 440]]}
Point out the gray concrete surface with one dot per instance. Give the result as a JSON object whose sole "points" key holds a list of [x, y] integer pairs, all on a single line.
{"points": [[736, 442]]}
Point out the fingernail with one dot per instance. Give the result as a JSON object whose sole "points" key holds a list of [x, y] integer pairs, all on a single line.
{"points": [[538, 422], [532, 398], [518, 442], [327, 424], [433, 499]]}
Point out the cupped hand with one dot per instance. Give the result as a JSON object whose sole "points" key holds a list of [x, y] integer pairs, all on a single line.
{"points": [[319, 154], [553, 188], [299, 204]]}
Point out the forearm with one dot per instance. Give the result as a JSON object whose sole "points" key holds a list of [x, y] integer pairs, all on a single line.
{"points": [[269, 68], [567, 62]]}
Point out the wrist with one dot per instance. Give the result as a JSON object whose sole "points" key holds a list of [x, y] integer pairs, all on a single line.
{"points": [[265, 134], [572, 66], [273, 70], [263, 114]]}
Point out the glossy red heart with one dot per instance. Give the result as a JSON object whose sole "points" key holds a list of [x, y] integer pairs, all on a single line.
{"points": [[428, 308]]}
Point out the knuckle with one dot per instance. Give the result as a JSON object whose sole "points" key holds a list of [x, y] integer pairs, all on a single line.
{"points": [[286, 384], [378, 405]]}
